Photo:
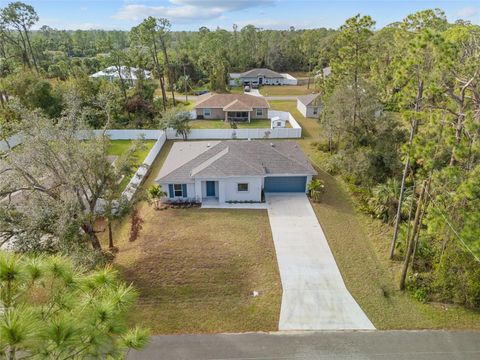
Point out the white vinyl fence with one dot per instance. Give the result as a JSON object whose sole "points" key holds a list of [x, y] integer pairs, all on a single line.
{"points": [[143, 169], [294, 132], [195, 134]]}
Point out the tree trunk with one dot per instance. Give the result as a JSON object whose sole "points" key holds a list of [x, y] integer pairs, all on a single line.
{"points": [[169, 70], [89, 230], [416, 224], [309, 70], [110, 235], [413, 129], [31, 49]]}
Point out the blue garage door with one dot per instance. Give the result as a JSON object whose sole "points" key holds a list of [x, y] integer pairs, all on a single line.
{"points": [[285, 184]]}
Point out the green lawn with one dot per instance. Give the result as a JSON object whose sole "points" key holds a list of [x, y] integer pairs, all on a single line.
{"points": [[221, 124], [195, 268], [118, 147], [286, 90]]}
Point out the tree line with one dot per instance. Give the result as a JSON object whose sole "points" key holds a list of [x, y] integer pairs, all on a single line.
{"points": [[401, 124]]}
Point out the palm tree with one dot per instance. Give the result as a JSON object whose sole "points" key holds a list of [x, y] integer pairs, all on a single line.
{"points": [[316, 189], [177, 120], [155, 193], [384, 200]]}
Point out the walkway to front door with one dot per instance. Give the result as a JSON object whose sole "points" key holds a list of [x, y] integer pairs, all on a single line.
{"points": [[314, 294]]}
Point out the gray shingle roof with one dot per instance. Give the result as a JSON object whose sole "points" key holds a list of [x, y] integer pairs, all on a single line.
{"points": [[309, 99], [264, 72], [241, 158], [223, 101]]}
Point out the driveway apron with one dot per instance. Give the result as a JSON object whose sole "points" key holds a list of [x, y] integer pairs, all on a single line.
{"points": [[314, 294]]}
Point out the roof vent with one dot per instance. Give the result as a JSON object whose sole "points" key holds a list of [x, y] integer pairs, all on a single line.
{"points": [[272, 144], [208, 144]]}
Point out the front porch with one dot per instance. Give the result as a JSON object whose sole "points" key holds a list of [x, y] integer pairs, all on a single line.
{"points": [[237, 116]]}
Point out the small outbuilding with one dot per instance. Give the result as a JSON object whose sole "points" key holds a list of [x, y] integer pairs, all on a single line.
{"points": [[276, 122], [309, 105]]}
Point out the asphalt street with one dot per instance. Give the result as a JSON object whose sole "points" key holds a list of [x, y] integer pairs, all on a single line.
{"points": [[363, 345]]}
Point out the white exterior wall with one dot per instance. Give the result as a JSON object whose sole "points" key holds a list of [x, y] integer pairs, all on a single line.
{"points": [[254, 192], [310, 113], [302, 108], [191, 192]]}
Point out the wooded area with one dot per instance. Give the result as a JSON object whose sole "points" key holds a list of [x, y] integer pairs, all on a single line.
{"points": [[400, 120]]}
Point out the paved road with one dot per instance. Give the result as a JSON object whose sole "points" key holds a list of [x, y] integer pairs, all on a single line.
{"points": [[314, 294], [366, 345]]}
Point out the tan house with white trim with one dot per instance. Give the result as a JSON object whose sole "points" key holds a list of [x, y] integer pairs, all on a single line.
{"points": [[231, 107]]}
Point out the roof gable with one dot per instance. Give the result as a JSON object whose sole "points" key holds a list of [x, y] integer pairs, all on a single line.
{"points": [[261, 72], [221, 101], [310, 99]]}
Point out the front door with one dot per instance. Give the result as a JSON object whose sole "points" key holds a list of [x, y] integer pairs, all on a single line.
{"points": [[210, 188], [260, 80]]}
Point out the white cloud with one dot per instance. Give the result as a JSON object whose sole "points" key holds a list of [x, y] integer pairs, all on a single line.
{"points": [[275, 24], [187, 9], [467, 12]]}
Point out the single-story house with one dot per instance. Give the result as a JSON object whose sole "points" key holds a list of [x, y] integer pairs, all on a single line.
{"points": [[261, 77], [231, 107], [233, 170], [129, 74], [309, 105]]}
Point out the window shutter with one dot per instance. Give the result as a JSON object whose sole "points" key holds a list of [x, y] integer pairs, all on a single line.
{"points": [[170, 190], [184, 190]]}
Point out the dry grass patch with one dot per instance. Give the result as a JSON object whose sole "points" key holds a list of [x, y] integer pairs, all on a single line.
{"points": [[286, 90], [195, 270]]}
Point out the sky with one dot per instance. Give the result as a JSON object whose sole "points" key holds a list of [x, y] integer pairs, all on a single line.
{"points": [[266, 14]]}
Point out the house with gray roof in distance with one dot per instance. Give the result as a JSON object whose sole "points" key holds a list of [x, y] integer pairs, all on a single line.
{"points": [[256, 77], [231, 107], [309, 105], [128, 74], [233, 170]]}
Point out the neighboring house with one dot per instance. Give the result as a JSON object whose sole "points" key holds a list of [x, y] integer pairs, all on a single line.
{"points": [[231, 107], [261, 77], [129, 74], [233, 170], [309, 105]]}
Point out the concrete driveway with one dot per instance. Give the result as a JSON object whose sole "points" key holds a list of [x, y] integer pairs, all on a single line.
{"points": [[314, 294]]}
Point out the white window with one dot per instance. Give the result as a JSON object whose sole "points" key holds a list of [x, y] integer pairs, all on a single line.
{"points": [[207, 112], [242, 187], [177, 190], [315, 110], [259, 112]]}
